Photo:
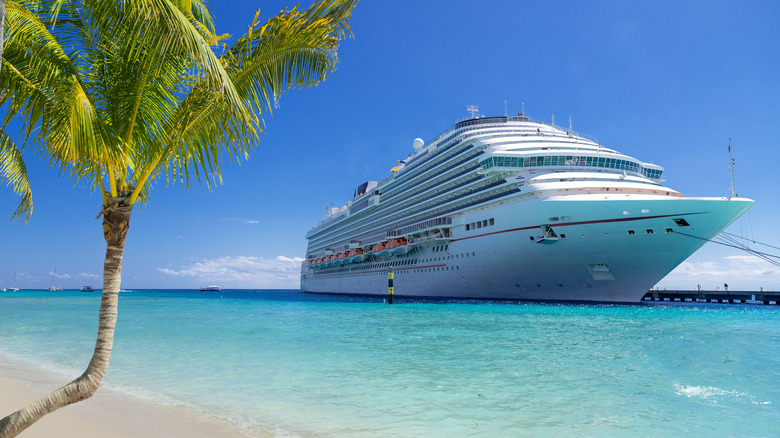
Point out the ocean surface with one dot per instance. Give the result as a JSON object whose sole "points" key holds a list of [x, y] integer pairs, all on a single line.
{"points": [[327, 366]]}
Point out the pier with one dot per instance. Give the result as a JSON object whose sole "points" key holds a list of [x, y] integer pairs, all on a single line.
{"points": [[769, 298]]}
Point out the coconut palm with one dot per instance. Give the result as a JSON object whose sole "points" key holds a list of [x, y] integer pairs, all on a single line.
{"points": [[129, 93]]}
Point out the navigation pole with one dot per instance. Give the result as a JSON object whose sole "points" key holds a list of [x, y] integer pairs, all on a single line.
{"points": [[733, 186]]}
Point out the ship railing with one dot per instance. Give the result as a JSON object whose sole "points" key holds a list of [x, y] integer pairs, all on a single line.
{"points": [[420, 226], [430, 235], [468, 124]]}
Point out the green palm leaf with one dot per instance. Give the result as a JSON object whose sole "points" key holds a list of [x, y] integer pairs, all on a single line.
{"points": [[13, 170]]}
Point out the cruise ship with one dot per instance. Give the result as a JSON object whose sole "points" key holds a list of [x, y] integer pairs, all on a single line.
{"points": [[512, 208]]}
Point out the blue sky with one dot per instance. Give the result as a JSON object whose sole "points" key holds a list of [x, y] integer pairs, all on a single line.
{"points": [[667, 82]]}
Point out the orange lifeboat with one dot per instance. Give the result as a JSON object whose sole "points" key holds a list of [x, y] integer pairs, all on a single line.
{"points": [[399, 245], [382, 249], [379, 247], [355, 255]]}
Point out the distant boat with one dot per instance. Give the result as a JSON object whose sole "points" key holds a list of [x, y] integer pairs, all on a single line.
{"points": [[211, 288], [13, 287], [51, 287], [87, 289]]}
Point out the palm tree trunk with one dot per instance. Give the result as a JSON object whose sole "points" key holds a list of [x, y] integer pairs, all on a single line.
{"points": [[116, 221]]}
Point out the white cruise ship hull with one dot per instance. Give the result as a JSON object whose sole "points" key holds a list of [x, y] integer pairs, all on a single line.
{"points": [[511, 208], [604, 248]]}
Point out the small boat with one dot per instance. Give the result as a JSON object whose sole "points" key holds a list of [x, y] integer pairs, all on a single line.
{"points": [[13, 288], [87, 289], [398, 246], [380, 249], [52, 287], [212, 288], [355, 255]]}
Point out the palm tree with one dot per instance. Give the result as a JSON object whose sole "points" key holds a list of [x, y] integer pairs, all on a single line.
{"points": [[127, 93]]}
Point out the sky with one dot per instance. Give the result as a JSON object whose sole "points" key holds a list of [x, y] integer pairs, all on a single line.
{"points": [[667, 82]]}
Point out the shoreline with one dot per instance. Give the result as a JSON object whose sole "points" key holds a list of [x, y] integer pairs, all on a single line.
{"points": [[108, 413]]}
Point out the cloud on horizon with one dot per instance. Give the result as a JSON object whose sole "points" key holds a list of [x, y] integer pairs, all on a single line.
{"points": [[242, 271], [741, 272], [240, 219]]}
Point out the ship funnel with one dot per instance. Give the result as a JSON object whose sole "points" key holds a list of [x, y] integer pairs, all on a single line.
{"points": [[418, 143]]}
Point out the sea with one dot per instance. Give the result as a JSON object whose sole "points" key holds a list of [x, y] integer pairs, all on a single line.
{"points": [[296, 364]]}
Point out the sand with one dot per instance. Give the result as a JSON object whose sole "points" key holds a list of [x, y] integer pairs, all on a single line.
{"points": [[107, 414]]}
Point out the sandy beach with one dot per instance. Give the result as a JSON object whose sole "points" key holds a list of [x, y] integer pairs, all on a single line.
{"points": [[108, 413]]}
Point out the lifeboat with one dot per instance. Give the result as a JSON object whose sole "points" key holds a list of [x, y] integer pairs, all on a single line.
{"points": [[398, 245], [382, 249], [355, 255], [343, 257]]}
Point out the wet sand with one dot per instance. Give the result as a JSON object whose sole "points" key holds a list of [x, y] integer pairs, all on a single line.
{"points": [[107, 414]]}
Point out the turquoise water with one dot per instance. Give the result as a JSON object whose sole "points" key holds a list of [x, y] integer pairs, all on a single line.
{"points": [[326, 366]]}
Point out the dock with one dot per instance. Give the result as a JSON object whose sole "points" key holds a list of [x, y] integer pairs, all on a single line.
{"points": [[768, 298]]}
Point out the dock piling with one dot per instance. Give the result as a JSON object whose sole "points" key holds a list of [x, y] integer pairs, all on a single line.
{"points": [[390, 286]]}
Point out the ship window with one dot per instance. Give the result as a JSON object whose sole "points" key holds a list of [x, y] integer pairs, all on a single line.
{"points": [[681, 223], [491, 221], [649, 231], [479, 224], [484, 223], [669, 230], [563, 236], [532, 238], [631, 232], [468, 227]]}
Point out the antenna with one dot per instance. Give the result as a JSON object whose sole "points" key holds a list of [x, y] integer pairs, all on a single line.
{"points": [[505, 113], [733, 186], [553, 120], [473, 109], [570, 130]]}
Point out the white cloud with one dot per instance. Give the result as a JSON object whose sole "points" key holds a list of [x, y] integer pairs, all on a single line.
{"points": [[240, 219], [242, 271], [741, 272]]}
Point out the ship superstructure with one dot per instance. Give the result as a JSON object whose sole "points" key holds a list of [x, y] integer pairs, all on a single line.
{"points": [[509, 207]]}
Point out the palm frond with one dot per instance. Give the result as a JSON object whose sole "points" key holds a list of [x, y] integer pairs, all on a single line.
{"points": [[292, 50], [172, 31], [36, 62], [13, 170]]}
